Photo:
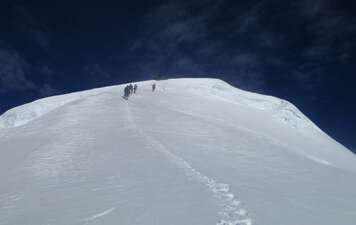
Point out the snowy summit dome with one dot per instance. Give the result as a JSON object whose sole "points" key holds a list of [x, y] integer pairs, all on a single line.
{"points": [[191, 151]]}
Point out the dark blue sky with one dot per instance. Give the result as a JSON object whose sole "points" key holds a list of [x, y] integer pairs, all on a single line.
{"points": [[301, 50]]}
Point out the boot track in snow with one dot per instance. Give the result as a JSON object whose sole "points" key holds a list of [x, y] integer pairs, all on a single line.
{"points": [[231, 212]]}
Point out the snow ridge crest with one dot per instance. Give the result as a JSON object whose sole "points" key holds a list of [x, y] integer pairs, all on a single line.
{"points": [[205, 87]]}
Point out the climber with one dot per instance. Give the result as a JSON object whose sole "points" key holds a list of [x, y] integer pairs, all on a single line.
{"points": [[126, 92], [131, 88]]}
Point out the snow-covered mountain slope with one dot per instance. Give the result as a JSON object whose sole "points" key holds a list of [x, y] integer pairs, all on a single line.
{"points": [[195, 151]]}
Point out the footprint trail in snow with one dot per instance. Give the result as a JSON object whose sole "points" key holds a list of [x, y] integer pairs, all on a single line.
{"points": [[231, 212]]}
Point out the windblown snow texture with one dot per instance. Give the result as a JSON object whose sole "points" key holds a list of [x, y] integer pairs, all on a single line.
{"points": [[195, 151]]}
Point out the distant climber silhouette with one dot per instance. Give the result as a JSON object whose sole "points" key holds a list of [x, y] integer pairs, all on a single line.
{"points": [[131, 88], [126, 92]]}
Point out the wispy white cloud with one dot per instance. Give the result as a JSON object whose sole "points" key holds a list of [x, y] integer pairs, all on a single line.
{"points": [[330, 28], [247, 60], [48, 90], [27, 23], [178, 35], [97, 73], [167, 32], [14, 77], [249, 19], [46, 70], [12, 72], [245, 42]]}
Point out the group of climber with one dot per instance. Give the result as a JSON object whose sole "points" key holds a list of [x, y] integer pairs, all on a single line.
{"points": [[131, 89]]}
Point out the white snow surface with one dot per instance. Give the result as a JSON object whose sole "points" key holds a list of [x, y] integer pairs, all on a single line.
{"points": [[195, 151]]}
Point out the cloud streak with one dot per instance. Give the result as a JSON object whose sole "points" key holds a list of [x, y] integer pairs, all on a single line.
{"points": [[12, 73], [27, 24], [186, 38], [14, 79]]}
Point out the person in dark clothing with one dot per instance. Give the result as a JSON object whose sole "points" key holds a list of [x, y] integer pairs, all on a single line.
{"points": [[153, 87], [135, 88], [131, 88], [126, 92]]}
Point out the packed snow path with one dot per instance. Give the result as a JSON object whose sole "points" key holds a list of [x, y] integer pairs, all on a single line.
{"points": [[195, 151], [231, 211]]}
